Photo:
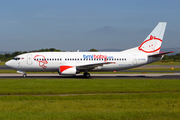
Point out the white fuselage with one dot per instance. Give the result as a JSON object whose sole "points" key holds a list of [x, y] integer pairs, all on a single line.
{"points": [[51, 61]]}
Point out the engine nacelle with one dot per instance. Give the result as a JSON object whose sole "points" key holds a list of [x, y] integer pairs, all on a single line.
{"points": [[67, 70]]}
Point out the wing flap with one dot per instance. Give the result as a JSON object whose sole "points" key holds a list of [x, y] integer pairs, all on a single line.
{"points": [[92, 66]]}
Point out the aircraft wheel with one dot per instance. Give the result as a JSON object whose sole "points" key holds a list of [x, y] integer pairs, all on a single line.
{"points": [[24, 75], [87, 75]]}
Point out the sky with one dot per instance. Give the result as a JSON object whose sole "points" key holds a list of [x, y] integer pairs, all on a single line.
{"points": [[71, 25]]}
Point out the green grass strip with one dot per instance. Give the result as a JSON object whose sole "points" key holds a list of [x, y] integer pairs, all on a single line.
{"points": [[85, 86], [156, 106], [165, 63]]}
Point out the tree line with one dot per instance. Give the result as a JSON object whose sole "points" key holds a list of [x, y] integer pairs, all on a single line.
{"points": [[8, 56]]}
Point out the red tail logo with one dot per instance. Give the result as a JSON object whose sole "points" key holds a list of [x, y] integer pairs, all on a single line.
{"points": [[151, 45]]}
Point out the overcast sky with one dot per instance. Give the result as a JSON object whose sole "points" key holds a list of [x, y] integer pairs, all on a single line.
{"points": [[85, 24]]}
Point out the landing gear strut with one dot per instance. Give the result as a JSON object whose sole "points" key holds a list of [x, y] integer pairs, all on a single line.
{"points": [[86, 75], [24, 75]]}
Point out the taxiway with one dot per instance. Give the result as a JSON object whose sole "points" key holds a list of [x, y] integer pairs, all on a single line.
{"points": [[96, 76]]}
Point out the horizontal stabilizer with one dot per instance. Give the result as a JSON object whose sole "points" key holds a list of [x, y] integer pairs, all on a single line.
{"points": [[160, 54]]}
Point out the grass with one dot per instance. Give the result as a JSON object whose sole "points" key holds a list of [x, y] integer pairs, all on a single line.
{"points": [[2, 63], [95, 99], [155, 69], [165, 63], [84, 86], [95, 107]]}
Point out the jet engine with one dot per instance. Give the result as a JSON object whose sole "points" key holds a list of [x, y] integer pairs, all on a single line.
{"points": [[67, 70]]}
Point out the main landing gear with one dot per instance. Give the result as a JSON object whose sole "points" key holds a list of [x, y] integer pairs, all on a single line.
{"points": [[86, 75]]}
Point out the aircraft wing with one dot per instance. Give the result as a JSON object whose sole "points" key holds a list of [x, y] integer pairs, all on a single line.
{"points": [[92, 66], [160, 54]]}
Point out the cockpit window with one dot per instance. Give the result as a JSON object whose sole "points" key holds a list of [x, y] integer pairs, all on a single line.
{"points": [[16, 58]]}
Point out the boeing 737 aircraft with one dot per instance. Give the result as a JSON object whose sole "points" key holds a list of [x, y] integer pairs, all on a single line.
{"points": [[72, 63]]}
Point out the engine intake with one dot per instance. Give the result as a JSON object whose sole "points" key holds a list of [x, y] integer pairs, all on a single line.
{"points": [[67, 70]]}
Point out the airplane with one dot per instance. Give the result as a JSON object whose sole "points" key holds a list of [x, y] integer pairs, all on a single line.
{"points": [[72, 63]]}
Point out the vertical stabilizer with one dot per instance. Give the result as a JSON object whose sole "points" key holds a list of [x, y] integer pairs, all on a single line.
{"points": [[152, 44]]}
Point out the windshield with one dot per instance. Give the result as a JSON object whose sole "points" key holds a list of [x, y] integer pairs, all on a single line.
{"points": [[16, 58]]}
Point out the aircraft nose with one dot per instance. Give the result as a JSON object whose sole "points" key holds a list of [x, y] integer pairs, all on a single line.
{"points": [[9, 64]]}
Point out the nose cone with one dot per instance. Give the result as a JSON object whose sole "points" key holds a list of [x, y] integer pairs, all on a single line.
{"points": [[9, 64]]}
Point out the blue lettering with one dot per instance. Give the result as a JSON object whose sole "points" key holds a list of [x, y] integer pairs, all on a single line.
{"points": [[88, 56]]}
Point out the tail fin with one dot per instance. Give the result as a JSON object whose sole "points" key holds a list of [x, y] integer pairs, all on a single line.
{"points": [[152, 44]]}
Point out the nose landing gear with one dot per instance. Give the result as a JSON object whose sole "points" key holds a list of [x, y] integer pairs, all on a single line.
{"points": [[24, 75], [22, 72]]}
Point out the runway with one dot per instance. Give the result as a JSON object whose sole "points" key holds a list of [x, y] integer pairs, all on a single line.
{"points": [[96, 76]]}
